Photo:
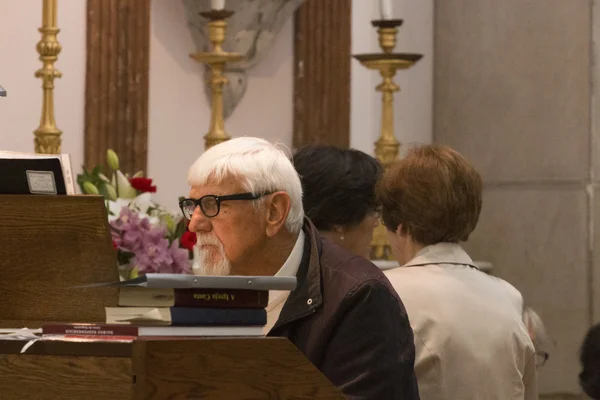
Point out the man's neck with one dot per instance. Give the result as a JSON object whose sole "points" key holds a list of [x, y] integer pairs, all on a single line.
{"points": [[270, 257]]}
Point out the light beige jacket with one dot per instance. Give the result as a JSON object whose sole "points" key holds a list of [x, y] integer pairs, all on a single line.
{"points": [[471, 343]]}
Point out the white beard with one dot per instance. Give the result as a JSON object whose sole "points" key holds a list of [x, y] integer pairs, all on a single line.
{"points": [[204, 264]]}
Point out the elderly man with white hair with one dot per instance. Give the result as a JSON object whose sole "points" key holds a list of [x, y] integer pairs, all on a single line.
{"points": [[245, 207]]}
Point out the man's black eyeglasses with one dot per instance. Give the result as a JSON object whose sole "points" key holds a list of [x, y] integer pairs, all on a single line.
{"points": [[211, 204]]}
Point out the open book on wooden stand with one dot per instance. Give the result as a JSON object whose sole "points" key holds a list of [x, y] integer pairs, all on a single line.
{"points": [[52, 243], [41, 172]]}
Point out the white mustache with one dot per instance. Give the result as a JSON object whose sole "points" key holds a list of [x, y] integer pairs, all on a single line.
{"points": [[203, 266], [208, 241]]}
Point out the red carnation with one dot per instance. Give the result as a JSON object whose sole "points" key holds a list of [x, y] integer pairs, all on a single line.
{"points": [[142, 185], [188, 240]]}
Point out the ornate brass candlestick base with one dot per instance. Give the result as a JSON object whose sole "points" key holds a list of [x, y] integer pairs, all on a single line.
{"points": [[386, 147], [47, 135], [216, 60]]}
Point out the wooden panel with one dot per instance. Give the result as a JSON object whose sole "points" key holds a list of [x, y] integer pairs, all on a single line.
{"points": [[116, 109], [161, 368], [56, 377], [322, 55], [50, 243], [258, 368]]}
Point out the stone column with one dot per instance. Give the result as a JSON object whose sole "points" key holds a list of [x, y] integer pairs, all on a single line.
{"points": [[512, 92]]}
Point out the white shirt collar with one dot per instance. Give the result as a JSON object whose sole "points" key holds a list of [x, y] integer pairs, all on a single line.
{"points": [[441, 253], [291, 265]]}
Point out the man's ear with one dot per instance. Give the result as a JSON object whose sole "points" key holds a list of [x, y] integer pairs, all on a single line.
{"points": [[277, 210]]}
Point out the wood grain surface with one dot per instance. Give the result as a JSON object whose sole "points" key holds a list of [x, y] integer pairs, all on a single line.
{"points": [[322, 61], [49, 244], [244, 368], [201, 368], [117, 79], [64, 377]]}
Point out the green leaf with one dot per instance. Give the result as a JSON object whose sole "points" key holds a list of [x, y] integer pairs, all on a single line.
{"points": [[124, 256], [180, 228]]}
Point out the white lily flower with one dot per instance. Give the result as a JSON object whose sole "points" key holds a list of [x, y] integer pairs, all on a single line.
{"points": [[124, 188], [143, 202], [114, 208], [154, 221]]}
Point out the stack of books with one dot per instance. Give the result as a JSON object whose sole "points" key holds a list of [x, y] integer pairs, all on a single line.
{"points": [[171, 305]]}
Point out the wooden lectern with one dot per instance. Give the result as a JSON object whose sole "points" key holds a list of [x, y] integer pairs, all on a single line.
{"points": [[50, 244]]}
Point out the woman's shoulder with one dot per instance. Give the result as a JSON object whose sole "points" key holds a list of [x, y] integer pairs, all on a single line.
{"points": [[512, 292], [419, 275]]}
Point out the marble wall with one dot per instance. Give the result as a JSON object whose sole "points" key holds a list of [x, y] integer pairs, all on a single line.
{"points": [[512, 92]]}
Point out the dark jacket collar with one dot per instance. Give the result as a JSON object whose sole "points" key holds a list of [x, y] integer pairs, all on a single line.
{"points": [[307, 296]]}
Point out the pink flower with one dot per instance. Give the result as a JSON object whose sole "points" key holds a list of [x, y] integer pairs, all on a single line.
{"points": [[153, 253], [181, 261]]}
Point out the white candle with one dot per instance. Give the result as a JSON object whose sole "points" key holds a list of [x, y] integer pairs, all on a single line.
{"points": [[218, 4], [385, 8]]}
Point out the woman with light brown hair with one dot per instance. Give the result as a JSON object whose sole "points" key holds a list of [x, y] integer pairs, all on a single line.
{"points": [[470, 339]]}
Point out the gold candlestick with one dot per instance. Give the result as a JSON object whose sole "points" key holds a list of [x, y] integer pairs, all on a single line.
{"points": [[47, 135], [216, 60], [386, 147]]}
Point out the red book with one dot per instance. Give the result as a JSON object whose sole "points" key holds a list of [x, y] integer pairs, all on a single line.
{"points": [[195, 297]]}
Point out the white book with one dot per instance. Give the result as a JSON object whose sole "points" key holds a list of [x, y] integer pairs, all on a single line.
{"points": [[183, 281], [200, 331], [65, 162]]}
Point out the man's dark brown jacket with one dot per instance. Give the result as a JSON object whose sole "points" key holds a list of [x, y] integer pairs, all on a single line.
{"points": [[349, 322]]}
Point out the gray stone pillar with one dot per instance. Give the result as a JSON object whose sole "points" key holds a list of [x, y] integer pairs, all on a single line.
{"points": [[512, 92]]}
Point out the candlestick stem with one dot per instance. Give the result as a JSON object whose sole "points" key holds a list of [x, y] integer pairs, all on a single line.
{"points": [[387, 146], [47, 135], [216, 60]]}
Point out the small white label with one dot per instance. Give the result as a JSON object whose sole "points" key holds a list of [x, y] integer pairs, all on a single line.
{"points": [[41, 182]]}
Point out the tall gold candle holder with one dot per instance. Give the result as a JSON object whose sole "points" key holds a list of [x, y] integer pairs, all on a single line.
{"points": [[47, 135], [387, 146], [216, 60]]}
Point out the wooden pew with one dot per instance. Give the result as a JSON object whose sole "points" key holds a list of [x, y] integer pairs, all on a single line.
{"points": [[48, 244]]}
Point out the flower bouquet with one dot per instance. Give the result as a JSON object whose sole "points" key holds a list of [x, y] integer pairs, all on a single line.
{"points": [[147, 237]]}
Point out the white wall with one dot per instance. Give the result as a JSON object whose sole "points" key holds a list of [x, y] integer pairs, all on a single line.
{"points": [[413, 110], [179, 111], [364, 100], [20, 111]]}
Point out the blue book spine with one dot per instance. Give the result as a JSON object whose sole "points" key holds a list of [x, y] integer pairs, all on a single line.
{"points": [[194, 316]]}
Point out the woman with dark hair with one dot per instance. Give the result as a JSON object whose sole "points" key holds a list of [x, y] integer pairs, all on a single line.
{"points": [[339, 194], [590, 362]]}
